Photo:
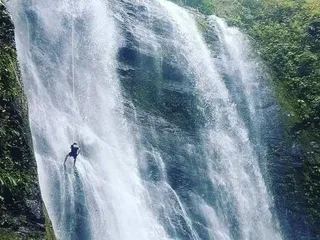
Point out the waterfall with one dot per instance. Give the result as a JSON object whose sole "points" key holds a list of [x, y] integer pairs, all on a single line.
{"points": [[167, 107]]}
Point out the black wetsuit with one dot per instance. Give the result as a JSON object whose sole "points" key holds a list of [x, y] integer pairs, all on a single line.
{"points": [[74, 151]]}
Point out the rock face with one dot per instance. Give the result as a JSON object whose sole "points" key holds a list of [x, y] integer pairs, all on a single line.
{"points": [[21, 212]]}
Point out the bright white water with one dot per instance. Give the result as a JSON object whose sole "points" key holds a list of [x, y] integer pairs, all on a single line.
{"points": [[168, 124]]}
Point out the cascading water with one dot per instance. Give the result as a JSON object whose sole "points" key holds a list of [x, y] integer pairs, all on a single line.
{"points": [[168, 123]]}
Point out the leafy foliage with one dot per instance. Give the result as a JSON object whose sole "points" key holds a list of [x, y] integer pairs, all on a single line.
{"points": [[203, 6], [286, 34], [6, 29], [16, 172], [18, 178]]}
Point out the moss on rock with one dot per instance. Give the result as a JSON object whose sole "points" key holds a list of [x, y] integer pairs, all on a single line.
{"points": [[21, 215], [49, 229], [286, 35]]}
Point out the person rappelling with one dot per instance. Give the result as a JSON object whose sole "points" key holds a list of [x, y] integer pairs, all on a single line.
{"points": [[75, 150]]}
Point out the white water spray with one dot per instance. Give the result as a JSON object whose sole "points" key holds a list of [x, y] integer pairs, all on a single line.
{"points": [[78, 88]]}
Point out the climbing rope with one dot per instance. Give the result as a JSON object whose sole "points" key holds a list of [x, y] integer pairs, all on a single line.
{"points": [[72, 63]]}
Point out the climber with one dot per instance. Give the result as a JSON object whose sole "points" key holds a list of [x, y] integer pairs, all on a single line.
{"points": [[75, 150]]}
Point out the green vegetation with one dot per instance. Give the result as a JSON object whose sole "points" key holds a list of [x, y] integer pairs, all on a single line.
{"points": [[286, 35], [7, 235], [15, 180], [203, 6], [18, 174], [14, 174], [49, 230]]}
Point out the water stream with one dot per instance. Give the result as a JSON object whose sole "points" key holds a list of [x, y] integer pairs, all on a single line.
{"points": [[168, 116]]}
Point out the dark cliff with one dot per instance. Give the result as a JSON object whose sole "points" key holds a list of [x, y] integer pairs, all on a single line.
{"points": [[21, 208]]}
